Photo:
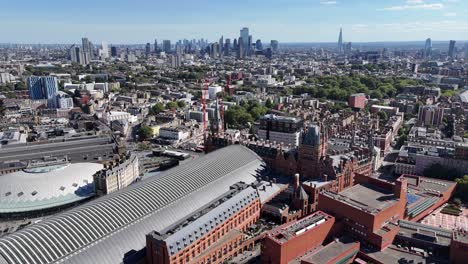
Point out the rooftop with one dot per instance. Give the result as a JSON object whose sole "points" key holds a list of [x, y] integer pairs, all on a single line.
{"points": [[428, 185], [45, 187], [110, 228], [210, 218], [290, 230], [327, 253], [425, 232], [393, 254], [366, 197]]}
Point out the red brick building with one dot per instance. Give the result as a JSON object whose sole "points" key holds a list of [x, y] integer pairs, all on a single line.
{"points": [[357, 101], [292, 240], [369, 210], [425, 195], [213, 237], [341, 250]]}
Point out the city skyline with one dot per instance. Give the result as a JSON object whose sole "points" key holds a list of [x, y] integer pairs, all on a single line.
{"points": [[294, 21]]}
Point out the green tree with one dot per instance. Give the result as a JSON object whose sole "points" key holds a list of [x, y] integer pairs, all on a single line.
{"points": [[462, 188], [156, 109], [237, 117], [20, 86], [171, 105], [268, 103], [145, 132], [382, 115], [401, 141], [181, 104]]}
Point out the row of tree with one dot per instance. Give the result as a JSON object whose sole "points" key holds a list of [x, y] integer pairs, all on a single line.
{"points": [[338, 87], [242, 115]]}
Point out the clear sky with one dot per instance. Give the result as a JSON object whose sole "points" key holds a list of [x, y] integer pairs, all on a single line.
{"points": [[141, 21]]}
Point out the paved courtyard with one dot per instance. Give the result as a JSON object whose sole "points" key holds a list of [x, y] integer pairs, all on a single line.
{"points": [[446, 221]]}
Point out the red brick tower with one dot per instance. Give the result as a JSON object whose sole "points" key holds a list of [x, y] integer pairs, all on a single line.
{"points": [[313, 151]]}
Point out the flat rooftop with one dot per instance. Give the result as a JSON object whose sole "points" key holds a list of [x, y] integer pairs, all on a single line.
{"points": [[366, 197], [430, 185], [425, 232], [288, 231], [330, 251], [76, 150], [393, 254]]}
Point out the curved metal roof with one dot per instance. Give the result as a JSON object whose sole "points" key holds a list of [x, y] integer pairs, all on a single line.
{"points": [[46, 187], [104, 230]]}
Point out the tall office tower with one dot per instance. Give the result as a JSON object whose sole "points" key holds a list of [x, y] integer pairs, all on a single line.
{"points": [[148, 49], [269, 53], [428, 48], [235, 45], [466, 50], [259, 45], [43, 87], [85, 45], [76, 55], [244, 34], [167, 46], [155, 46], [88, 50], [249, 46], [227, 47], [104, 52], [348, 48], [114, 51], [340, 41], [451, 52], [240, 48], [179, 48], [274, 45], [214, 50], [175, 61], [221, 46]]}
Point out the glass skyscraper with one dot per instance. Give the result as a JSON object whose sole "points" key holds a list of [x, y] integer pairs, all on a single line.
{"points": [[244, 34], [43, 87]]}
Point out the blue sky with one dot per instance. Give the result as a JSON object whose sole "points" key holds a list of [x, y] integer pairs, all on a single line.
{"points": [[140, 21]]}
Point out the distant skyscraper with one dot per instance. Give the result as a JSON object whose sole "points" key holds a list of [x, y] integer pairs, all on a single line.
{"points": [[451, 52], [244, 34], [88, 50], [76, 55], [259, 45], [175, 61], [234, 44], [167, 46], [240, 48], [45, 87], [155, 46], [227, 47], [114, 51], [249, 46], [104, 51], [274, 45], [348, 48], [148, 49], [269, 53], [214, 50], [221, 46], [428, 48], [340, 41]]}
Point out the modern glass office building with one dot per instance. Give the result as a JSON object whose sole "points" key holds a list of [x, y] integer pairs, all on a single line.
{"points": [[43, 87]]}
